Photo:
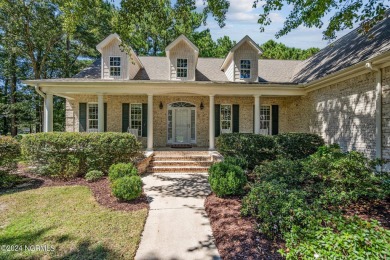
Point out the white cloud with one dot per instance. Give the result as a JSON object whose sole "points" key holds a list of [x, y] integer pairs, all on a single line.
{"points": [[276, 18], [242, 16]]}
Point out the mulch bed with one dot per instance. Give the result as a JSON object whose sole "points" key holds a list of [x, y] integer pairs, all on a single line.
{"points": [[378, 210], [100, 189], [236, 236]]}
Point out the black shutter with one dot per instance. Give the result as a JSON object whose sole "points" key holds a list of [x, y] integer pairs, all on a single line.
{"points": [[125, 117], [105, 117], [82, 117], [236, 118], [144, 120], [217, 120], [275, 119]]}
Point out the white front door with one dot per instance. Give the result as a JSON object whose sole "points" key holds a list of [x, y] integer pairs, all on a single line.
{"points": [[182, 125]]}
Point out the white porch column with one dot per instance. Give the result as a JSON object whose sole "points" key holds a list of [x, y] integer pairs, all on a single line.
{"points": [[150, 123], [212, 124], [100, 113], [257, 114], [48, 118]]}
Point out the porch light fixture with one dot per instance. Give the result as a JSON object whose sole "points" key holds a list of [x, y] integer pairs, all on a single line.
{"points": [[201, 105], [161, 105]]}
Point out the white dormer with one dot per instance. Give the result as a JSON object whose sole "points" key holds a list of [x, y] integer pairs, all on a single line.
{"points": [[183, 57], [116, 63], [241, 63]]}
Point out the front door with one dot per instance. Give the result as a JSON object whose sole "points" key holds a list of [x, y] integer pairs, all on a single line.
{"points": [[182, 125]]}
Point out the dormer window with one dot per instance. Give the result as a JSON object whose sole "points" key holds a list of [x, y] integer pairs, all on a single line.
{"points": [[115, 66], [182, 68], [245, 69]]}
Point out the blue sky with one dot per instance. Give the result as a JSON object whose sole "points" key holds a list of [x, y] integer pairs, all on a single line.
{"points": [[242, 20]]}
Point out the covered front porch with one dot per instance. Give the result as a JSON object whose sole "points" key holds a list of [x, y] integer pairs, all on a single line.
{"points": [[170, 114]]}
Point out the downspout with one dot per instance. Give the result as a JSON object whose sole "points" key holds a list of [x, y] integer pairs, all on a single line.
{"points": [[39, 91], [378, 112]]}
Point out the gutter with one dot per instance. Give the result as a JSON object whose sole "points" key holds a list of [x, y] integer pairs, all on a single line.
{"points": [[378, 111]]}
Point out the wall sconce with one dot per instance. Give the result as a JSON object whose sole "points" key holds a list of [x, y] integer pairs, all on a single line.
{"points": [[161, 105], [201, 105]]}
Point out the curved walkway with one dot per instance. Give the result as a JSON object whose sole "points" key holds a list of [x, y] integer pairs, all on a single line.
{"points": [[177, 226]]}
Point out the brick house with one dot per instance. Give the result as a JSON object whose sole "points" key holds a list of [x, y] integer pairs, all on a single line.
{"points": [[342, 93]]}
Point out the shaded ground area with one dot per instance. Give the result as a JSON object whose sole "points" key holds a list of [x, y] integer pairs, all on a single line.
{"points": [[235, 236], [100, 189]]}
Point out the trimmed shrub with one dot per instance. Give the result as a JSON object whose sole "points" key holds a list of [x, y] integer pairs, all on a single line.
{"points": [[282, 170], [9, 155], [226, 179], [255, 149], [238, 161], [127, 188], [120, 170], [67, 155], [94, 175], [298, 145]]}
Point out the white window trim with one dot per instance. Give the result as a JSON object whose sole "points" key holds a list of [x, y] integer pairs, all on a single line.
{"points": [[250, 69], [91, 103], [270, 117], [231, 119], [120, 66], [130, 126], [177, 68]]}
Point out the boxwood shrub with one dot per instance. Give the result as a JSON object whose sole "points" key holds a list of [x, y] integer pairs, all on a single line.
{"points": [[120, 170], [127, 188], [94, 175], [254, 148], [67, 155], [226, 179]]}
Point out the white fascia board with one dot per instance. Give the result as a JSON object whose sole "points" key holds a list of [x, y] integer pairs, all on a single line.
{"points": [[107, 40]]}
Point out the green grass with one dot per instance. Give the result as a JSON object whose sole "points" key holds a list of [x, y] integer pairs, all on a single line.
{"points": [[69, 220]]}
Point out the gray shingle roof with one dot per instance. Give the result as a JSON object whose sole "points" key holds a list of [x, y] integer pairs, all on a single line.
{"points": [[345, 52], [208, 69], [93, 71]]}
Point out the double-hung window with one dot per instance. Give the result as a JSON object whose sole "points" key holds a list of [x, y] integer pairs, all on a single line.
{"points": [[226, 118], [115, 66], [245, 69], [92, 117], [182, 68], [136, 117]]}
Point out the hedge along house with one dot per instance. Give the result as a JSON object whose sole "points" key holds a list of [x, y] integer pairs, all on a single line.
{"points": [[342, 93]]}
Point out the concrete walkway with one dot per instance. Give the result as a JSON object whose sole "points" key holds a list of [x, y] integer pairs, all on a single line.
{"points": [[177, 226]]}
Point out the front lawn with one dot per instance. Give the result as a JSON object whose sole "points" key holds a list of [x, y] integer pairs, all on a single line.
{"points": [[69, 221]]}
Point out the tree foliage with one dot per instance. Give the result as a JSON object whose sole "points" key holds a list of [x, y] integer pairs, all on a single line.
{"points": [[279, 51], [313, 14]]}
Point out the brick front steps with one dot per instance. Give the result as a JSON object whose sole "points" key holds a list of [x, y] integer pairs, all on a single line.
{"points": [[180, 162]]}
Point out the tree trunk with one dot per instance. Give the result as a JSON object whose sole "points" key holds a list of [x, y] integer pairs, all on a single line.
{"points": [[5, 119], [14, 130]]}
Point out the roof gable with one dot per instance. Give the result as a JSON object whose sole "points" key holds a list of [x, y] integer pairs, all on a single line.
{"points": [[179, 39], [107, 41], [246, 39]]}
